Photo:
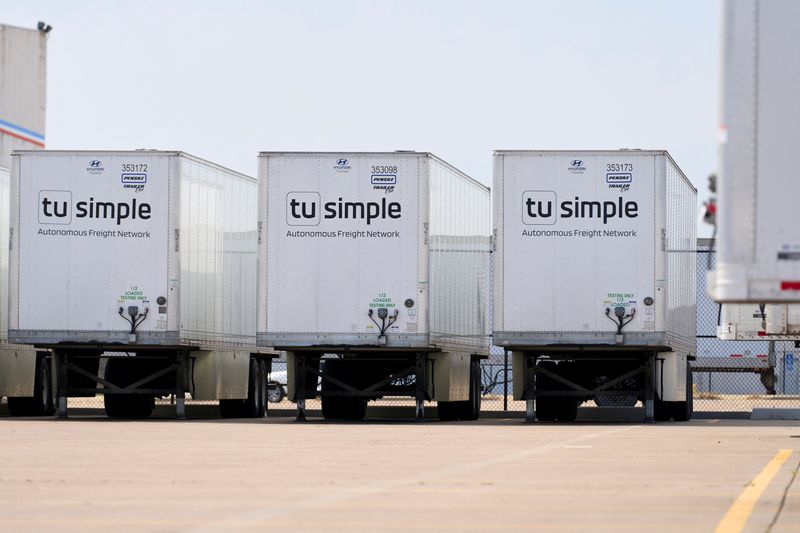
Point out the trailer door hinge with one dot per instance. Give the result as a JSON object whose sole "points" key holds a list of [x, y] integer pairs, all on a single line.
{"points": [[177, 239]]}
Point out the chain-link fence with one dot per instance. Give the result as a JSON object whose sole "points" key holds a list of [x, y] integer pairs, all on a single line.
{"points": [[738, 376], [729, 376]]}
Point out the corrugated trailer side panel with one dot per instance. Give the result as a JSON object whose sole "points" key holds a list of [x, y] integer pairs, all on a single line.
{"points": [[460, 225], [218, 254], [23, 71], [680, 246], [498, 244]]}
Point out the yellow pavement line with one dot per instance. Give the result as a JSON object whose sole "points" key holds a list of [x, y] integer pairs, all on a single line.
{"points": [[736, 517]]}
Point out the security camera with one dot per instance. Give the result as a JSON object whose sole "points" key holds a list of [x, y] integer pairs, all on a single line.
{"points": [[43, 27]]}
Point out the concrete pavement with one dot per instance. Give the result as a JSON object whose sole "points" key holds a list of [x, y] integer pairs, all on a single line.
{"points": [[211, 475]]}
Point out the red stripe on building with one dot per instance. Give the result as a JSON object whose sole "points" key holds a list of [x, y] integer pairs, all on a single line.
{"points": [[37, 143]]}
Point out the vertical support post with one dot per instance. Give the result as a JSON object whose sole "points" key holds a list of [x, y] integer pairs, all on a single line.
{"points": [[421, 380], [505, 379], [180, 385], [530, 394], [649, 395], [300, 382], [61, 388]]}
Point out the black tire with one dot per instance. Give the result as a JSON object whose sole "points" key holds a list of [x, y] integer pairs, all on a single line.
{"points": [[275, 392], [475, 392], [567, 409], [20, 406], [547, 407], [341, 407], [568, 405], [447, 411], [232, 409], [123, 371], [262, 389], [133, 406], [660, 409], [682, 411], [42, 402], [465, 409], [254, 405]]}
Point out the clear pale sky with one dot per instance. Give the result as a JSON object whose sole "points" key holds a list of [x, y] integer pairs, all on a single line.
{"points": [[224, 80]]}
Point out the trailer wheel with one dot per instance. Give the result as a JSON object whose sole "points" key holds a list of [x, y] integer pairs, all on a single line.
{"points": [[567, 409], [275, 392], [547, 407], [41, 403], [129, 405], [262, 389], [232, 409], [255, 398], [466, 409], [122, 371], [682, 411], [568, 405], [660, 409], [254, 406], [341, 407]]}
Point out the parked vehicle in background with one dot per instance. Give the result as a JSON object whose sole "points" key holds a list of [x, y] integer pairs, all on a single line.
{"points": [[276, 386]]}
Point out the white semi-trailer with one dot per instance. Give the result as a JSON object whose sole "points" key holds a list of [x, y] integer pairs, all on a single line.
{"points": [[758, 258], [146, 261], [373, 277], [594, 279], [26, 376], [759, 322]]}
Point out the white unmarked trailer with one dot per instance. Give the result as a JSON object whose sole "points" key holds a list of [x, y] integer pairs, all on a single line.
{"points": [[759, 322], [145, 260], [25, 375], [594, 287], [758, 258], [379, 262]]}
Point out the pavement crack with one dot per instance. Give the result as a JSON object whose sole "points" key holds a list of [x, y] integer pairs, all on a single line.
{"points": [[783, 499]]}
